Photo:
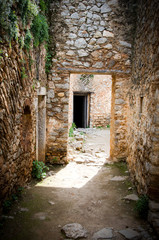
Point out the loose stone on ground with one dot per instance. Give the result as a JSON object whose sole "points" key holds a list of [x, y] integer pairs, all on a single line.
{"points": [[119, 178], [105, 233], [130, 234], [74, 231], [131, 197]]}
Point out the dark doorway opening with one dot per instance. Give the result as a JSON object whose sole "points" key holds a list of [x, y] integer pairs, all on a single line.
{"points": [[80, 110]]}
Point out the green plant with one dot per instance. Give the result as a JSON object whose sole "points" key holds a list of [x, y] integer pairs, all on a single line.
{"points": [[43, 6], [39, 170], [27, 10], [71, 134], [23, 74], [13, 26], [122, 166], [21, 42], [55, 159], [23, 9], [48, 61], [85, 78], [81, 133], [99, 127], [7, 205], [20, 191], [108, 126], [31, 61], [1, 53], [142, 206], [27, 40], [39, 28]]}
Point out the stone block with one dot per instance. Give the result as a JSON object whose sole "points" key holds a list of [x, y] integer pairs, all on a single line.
{"points": [[101, 40], [82, 53], [80, 43], [105, 8], [98, 65], [107, 34], [75, 16], [154, 206]]}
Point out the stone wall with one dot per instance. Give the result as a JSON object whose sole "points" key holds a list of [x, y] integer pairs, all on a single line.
{"points": [[90, 37], [98, 88], [143, 124], [17, 116], [143, 114]]}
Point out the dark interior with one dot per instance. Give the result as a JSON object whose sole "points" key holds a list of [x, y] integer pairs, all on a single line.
{"points": [[79, 111]]}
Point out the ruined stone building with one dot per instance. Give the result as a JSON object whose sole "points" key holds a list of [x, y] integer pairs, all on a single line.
{"points": [[116, 44]]}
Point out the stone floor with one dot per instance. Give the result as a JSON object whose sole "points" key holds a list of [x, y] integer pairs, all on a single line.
{"points": [[88, 199]]}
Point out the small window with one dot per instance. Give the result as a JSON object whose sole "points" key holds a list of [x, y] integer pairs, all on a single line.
{"points": [[141, 104]]}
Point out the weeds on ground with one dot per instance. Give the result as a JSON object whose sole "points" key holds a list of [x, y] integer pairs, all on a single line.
{"points": [[39, 170], [99, 127], [72, 128], [81, 133], [122, 166], [142, 206], [7, 204]]}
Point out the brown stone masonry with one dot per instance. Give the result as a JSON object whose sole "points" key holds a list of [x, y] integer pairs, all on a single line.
{"points": [[90, 38]]}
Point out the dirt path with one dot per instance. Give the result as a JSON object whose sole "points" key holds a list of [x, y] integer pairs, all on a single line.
{"points": [[85, 192]]}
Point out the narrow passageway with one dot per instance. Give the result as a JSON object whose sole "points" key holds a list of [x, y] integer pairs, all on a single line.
{"points": [[88, 191]]}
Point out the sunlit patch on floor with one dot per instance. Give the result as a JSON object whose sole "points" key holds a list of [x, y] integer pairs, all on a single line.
{"points": [[72, 176]]}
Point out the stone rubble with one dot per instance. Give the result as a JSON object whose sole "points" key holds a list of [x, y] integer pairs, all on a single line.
{"points": [[87, 153]]}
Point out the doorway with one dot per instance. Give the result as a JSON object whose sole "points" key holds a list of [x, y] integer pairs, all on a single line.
{"points": [[80, 106]]}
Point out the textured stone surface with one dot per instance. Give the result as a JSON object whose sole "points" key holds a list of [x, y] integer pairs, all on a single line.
{"points": [[17, 116], [74, 231], [118, 178], [130, 234], [143, 127], [95, 36], [105, 233], [131, 197], [84, 26]]}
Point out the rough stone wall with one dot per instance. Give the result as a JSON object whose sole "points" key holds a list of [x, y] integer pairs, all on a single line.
{"points": [[90, 37], [143, 120], [17, 116], [99, 103]]}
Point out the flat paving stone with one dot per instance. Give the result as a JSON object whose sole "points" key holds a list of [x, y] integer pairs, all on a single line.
{"points": [[130, 234], [131, 197], [118, 178], [105, 233]]}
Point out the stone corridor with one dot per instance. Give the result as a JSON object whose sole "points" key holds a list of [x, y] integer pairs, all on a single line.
{"points": [[89, 191], [61, 60]]}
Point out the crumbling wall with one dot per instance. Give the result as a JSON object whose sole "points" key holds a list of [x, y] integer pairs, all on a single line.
{"points": [[143, 115]]}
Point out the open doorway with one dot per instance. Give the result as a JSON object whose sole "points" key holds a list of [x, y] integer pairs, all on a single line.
{"points": [[80, 107], [90, 101], [90, 109]]}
